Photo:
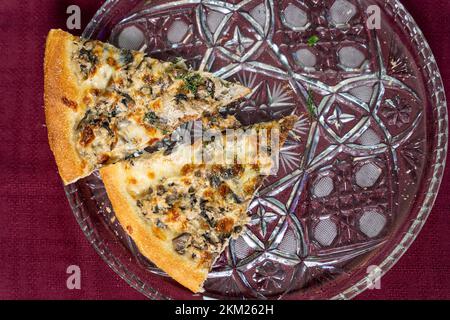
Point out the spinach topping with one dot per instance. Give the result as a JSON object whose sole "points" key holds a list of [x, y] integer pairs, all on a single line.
{"points": [[151, 117], [210, 87], [126, 99], [88, 61], [126, 56], [313, 40], [88, 56], [192, 81], [310, 105]]}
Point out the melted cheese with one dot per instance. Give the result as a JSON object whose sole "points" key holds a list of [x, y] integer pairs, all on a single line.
{"points": [[171, 166], [134, 133], [101, 78], [196, 207], [160, 166], [121, 90]]}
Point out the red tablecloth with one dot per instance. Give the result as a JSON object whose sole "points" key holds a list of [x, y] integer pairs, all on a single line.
{"points": [[39, 237]]}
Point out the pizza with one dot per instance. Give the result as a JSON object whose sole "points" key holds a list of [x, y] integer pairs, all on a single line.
{"points": [[103, 104], [113, 109], [181, 206]]}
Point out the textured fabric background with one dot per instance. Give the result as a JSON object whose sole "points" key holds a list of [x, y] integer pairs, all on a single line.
{"points": [[39, 237]]}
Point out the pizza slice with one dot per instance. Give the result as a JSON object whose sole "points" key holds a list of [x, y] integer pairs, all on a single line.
{"points": [[103, 103], [182, 206]]}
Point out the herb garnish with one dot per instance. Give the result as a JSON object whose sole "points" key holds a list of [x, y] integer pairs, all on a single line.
{"points": [[151, 117], [179, 62], [88, 55], [313, 40], [192, 81], [310, 106]]}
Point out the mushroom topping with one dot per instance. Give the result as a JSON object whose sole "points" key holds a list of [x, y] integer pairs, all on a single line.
{"points": [[214, 181], [211, 238], [171, 199], [181, 242]]}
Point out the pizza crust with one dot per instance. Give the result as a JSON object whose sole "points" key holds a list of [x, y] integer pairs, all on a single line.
{"points": [[185, 271], [61, 85]]}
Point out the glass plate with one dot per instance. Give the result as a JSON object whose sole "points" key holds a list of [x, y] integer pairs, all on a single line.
{"points": [[357, 181]]}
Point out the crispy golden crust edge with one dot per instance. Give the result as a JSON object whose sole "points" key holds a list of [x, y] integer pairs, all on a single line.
{"points": [[60, 83], [158, 251]]}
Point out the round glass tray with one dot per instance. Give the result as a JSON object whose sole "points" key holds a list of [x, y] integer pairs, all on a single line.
{"points": [[357, 181]]}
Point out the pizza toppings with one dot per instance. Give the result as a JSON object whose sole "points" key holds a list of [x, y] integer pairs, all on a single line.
{"points": [[181, 242], [128, 101], [69, 103], [193, 208], [191, 211], [151, 118], [126, 57], [86, 60], [201, 226], [198, 206]]}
